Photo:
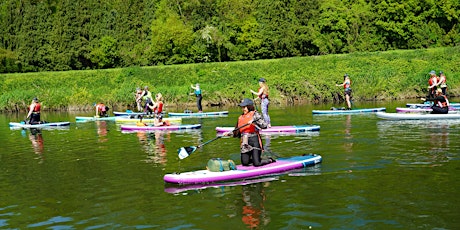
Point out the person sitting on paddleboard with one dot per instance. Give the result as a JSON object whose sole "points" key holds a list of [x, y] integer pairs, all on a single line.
{"points": [[158, 121], [251, 143], [101, 110], [441, 103], [262, 94], [442, 82], [432, 84], [198, 97], [347, 86], [34, 112]]}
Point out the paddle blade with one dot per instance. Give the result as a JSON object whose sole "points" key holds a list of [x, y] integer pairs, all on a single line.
{"points": [[186, 151]]}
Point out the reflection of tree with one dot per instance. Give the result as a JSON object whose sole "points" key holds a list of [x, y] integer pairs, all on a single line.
{"points": [[102, 130], [153, 143], [36, 139], [253, 211]]}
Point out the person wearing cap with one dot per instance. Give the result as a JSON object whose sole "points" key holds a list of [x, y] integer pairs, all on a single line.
{"points": [[441, 103], [432, 84], [247, 128], [347, 87], [442, 82], [198, 95], [34, 112], [262, 94]]}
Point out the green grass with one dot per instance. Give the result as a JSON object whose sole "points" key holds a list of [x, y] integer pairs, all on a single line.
{"points": [[375, 76]]}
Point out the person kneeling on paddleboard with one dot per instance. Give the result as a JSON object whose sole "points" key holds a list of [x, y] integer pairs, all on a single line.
{"points": [[250, 122], [441, 103], [34, 112]]}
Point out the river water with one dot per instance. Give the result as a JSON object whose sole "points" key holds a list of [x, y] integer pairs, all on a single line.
{"points": [[375, 174]]}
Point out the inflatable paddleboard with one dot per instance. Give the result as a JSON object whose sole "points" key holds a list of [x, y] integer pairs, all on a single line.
{"points": [[43, 125], [203, 114], [279, 129], [243, 172], [149, 128], [352, 111], [417, 116]]}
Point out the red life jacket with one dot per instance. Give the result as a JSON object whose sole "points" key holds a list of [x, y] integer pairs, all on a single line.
{"points": [[431, 80], [37, 107], [101, 107], [262, 95], [444, 103], [244, 119], [159, 109], [348, 85]]}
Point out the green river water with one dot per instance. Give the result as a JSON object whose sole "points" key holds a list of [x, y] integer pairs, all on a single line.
{"points": [[375, 174]]}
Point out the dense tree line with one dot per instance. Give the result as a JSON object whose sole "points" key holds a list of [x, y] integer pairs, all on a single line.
{"points": [[50, 35]]}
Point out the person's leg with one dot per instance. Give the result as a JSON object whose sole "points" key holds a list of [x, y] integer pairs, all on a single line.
{"points": [[198, 103], [245, 159], [264, 105]]}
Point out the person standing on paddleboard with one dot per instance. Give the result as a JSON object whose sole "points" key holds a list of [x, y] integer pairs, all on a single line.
{"points": [[262, 94], [34, 112], [442, 83], [147, 97], [251, 144], [347, 87], [199, 96], [432, 84]]}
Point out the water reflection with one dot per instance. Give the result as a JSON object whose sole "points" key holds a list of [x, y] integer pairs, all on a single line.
{"points": [[154, 145], [348, 143], [253, 212], [419, 142], [102, 131], [36, 139]]}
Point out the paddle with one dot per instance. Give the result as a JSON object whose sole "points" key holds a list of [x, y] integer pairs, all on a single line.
{"points": [[186, 151]]}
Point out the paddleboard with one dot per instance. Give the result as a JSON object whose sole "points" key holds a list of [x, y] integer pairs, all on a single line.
{"points": [[85, 119], [148, 128], [428, 105], [184, 188], [352, 111], [417, 116], [128, 113], [203, 114], [279, 129], [146, 120], [43, 125], [243, 172]]}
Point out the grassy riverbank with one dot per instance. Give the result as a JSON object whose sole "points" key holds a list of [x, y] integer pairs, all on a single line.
{"points": [[388, 75]]}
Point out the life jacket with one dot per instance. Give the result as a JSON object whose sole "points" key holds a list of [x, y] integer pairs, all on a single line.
{"points": [[432, 80], [347, 85], [159, 109], [443, 103], [37, 108], [244, 119], [197, 92], [148, 94], [101, 107]]}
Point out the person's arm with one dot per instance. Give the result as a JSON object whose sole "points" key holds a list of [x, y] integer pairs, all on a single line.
{"points": [[31, 109], [259, 121], [258, 93], [193, 87], [341, 84]]}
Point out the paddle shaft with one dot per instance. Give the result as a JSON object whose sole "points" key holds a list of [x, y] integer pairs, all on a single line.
{"points": [[207, 142]]}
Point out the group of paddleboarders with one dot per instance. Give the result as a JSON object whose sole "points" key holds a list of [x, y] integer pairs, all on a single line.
{"points": [[437, 89]]}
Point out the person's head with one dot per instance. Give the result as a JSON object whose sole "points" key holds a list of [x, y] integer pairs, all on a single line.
{"points": [[159, 117], [146, 88], [439, 91], [35, 100], [159, 97], [345, 76], [247, 105], [432, 72], [197, 85], [441, 73]]}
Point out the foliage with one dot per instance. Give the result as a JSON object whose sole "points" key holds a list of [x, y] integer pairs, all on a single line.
{"points": [[375, 76], [89, 34]]}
